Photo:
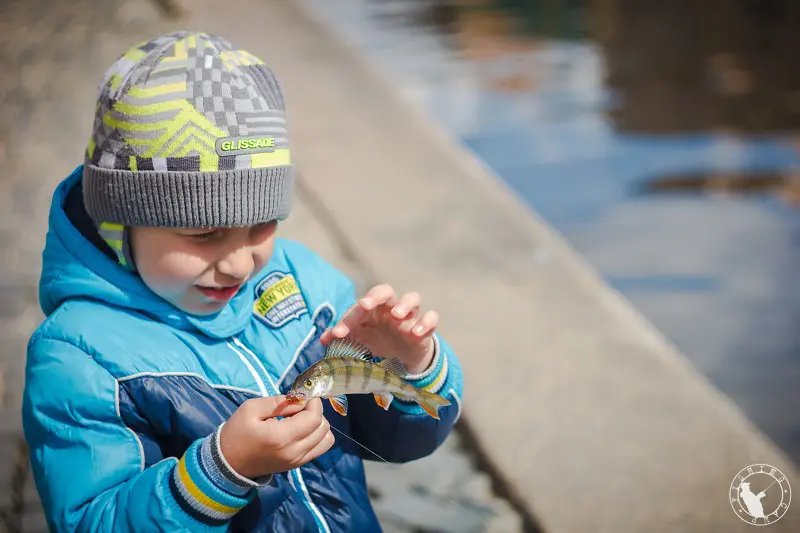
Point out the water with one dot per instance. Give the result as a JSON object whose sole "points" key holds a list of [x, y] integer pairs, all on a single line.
{"points": [[661, 140]]}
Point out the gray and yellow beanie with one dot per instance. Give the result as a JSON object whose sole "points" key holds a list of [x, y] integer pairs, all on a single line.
{"points": [[188, 132]]}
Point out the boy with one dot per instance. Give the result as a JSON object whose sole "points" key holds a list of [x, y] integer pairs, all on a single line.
{"points": [[176, 321]]}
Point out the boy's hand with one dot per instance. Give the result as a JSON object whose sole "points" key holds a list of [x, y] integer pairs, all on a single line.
{"points": [[255, 444], [390, 327]]}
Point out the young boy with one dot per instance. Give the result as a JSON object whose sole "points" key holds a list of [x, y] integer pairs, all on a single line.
{"points": [[176, 321]]}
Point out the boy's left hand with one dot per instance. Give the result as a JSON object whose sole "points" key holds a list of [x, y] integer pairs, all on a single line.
{"points": [[390, 327]]}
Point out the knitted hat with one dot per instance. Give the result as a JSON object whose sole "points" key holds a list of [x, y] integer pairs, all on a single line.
{"points": [[188, 132]]}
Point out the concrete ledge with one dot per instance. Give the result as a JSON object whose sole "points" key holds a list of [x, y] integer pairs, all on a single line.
{"points": [[588, 413]]}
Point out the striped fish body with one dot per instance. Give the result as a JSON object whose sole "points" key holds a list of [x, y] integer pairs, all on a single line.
{"points": [[357, 376], [348, 368]]}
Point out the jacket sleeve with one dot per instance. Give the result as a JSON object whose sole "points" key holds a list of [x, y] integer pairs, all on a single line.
{"points": [[405, 432], [89, 467]]}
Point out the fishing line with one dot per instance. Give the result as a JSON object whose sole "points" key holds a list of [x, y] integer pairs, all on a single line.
{"points": [[391, 464]]}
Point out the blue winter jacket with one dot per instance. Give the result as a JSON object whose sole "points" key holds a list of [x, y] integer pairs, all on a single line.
{"points": [[125, 395]]}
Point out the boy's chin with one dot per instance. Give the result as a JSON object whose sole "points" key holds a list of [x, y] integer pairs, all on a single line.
{"points": [[200, 308], [206, 308]]}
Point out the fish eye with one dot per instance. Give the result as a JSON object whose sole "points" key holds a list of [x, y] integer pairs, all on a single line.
{"points": [[309, 383]]}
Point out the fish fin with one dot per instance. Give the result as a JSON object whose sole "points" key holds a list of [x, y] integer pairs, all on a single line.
{"points": [[348, 348], [431, 402], [395, 366], [406, 397], [384, 399], [339, 403]]}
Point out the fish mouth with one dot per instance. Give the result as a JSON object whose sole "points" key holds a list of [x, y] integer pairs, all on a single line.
{"points": [[295, 397]]}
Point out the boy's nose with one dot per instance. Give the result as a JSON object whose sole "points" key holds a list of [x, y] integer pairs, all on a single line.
{"points": [[238, 264]]}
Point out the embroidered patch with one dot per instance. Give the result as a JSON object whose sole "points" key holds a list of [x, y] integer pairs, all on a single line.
{"points": [[278, 300]]}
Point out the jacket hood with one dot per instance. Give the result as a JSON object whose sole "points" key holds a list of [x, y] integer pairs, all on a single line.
{"points": [[73, 268]]}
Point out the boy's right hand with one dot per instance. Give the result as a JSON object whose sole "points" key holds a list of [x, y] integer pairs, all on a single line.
{"points": [[256, 444]]}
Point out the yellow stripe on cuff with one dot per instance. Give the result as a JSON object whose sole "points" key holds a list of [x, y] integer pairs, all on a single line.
{"points": [[437, 383], [199, 495]]}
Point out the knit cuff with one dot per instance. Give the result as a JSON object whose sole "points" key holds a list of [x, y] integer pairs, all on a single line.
{"points": [[203, 487], [176, 198], [221, 472], [433, 378]]}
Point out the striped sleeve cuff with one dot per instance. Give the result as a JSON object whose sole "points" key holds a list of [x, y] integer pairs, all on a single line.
{"points": [[221, 473], [432, 379], [206, 487]]}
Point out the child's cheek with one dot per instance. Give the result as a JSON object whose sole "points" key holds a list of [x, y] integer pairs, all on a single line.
{"points": [[182, 270], [173, 273], [262, 254]]}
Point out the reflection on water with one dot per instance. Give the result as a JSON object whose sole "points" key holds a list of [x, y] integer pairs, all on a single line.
{"points": [[660, 138], [785, 187]]}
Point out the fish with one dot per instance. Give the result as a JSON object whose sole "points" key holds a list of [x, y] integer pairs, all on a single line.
{"points": [[349, 367]]}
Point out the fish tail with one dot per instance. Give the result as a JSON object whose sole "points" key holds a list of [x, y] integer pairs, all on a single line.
{"points": [[431, 402]]}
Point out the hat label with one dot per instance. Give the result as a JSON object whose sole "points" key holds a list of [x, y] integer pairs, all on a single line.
{"points": [[252, 144]]}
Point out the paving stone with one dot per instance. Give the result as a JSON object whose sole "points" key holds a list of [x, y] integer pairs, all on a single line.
{"points": [[34, 522]]}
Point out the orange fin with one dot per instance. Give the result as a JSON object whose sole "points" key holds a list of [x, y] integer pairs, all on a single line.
{"points": [[430, 410], [339, 403], [384, 399], [431, 402], [394, 365]]}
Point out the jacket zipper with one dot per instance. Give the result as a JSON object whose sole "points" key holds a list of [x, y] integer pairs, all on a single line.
{"points": [[272, 390]]}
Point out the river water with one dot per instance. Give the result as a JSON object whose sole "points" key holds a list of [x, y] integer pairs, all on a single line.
{"points": [[663, 141]]}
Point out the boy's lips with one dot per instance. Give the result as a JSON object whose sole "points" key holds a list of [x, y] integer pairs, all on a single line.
{"points": [[219, 294]]}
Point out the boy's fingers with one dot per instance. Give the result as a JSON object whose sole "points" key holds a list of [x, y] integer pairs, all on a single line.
{"points": [[407, 303], [273, 406], [378, 295], [341, 330], [350, 318], [325, 444], [305, 422], [426, 324], [314, 406], [310, 441], [326, 337]]}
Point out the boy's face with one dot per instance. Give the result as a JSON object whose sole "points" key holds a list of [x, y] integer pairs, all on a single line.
{"points": [[199, 270]]}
